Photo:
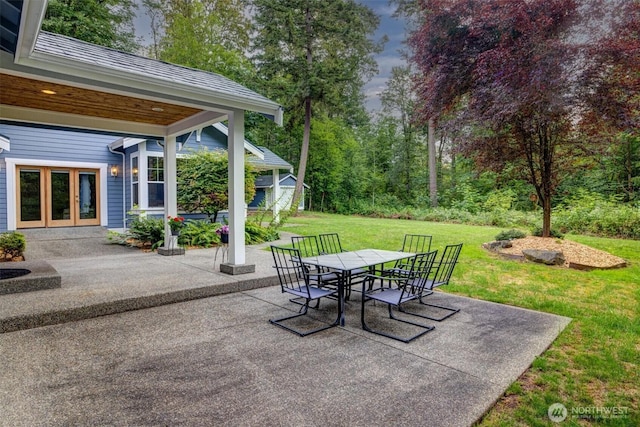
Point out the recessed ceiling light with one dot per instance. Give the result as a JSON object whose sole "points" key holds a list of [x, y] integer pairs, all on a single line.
{"points": [[48, 91], [157, 109]]}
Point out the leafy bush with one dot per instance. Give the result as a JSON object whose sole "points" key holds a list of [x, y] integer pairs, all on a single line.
{"points": [[200, 233], [592, 213], [500, 200], [511, 234], [13, 243], [255, 233], [553, 232], [195, 233], [146, 230]]}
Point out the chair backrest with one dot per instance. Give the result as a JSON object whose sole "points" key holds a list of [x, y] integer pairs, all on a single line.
{"points": [[291, 273], [307, 245], [416, 243], [420, 266], [444, 269], [330, 243]]}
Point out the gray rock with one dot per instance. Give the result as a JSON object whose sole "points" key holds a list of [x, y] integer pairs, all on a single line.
{"points": [[544, 257], [498, 244]]}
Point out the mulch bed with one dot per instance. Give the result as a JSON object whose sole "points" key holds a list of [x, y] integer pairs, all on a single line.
{"points": [[577, 255]]}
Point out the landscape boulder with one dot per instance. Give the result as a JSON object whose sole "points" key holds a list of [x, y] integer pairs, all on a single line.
{"points": [[498, 244], [544, 257]]}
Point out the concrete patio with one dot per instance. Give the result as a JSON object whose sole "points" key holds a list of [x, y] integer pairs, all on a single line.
{"points": [[215, 359]]}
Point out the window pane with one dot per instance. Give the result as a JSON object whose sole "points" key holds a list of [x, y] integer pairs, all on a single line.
{"points": [[155, 169], [134, 169], [134, 194], [156, 195]]}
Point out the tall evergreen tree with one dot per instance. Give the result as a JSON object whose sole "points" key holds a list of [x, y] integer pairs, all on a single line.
{"points": [[313, 53], [103, 22], [210, 35]]}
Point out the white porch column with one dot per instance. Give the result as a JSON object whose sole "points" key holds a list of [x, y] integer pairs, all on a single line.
{"points": [[277, 197], [236, 264], [170, 188]]}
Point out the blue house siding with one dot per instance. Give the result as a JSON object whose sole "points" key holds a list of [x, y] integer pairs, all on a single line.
{"points": [[30, 143], [258, 198], [43, 146]]}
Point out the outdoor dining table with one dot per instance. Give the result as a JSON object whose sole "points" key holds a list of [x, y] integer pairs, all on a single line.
{"points": [[344, 262]]}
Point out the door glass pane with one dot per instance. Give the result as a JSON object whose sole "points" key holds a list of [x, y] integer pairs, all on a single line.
{"points": [[30, 203], [60, 195], [87, 195]]}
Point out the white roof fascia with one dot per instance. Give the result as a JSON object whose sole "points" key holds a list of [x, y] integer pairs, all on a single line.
{"points": [[247, 145], [197, 121], [125, 142], [33, 12], [5, 143]]}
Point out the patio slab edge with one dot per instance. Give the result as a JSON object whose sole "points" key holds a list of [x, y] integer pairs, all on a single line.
{"points": [[56, 316], [41, 276]]}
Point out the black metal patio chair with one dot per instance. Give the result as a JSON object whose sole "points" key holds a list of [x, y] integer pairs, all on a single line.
{"points": [[407, 285], [440, 275], [414, 243], [294, 279], [309, 247]]}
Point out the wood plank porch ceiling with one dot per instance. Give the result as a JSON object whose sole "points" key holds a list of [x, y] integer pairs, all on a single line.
{"points": [[24, 92]]}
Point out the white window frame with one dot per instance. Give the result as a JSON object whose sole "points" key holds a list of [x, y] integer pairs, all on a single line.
{"points": [[143, 177]]}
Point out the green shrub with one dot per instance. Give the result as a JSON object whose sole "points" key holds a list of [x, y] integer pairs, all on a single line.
{"points": [[149, 231], [199, 233], [589, 213], [553, 232], [500, 200], [13, 243], [195, 233], [511, 234], [255, 233]]}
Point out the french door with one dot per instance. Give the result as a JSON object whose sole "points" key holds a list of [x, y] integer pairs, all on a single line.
{"points": [[57, 197]]}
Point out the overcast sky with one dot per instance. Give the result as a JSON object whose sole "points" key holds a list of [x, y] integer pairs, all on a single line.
{"points": [[390, 57], [393, 28]]}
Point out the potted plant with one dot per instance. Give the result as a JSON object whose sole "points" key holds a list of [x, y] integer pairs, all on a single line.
{"points": [[223, 232], [176, 223]]}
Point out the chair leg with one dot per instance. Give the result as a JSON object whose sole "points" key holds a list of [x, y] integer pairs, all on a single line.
{"points": [[391, 316], [451, 311], [298, 300], [303, 312]]}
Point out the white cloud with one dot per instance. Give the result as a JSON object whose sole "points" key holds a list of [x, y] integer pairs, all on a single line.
{"points": [[387, 62]]}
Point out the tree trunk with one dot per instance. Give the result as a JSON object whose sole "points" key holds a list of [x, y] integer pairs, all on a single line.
{"points": [[304, 155], [304, 151], [433, 172], [546, 217]]}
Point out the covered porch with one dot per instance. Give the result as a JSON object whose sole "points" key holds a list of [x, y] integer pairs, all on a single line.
{"points": [[48, 79]]}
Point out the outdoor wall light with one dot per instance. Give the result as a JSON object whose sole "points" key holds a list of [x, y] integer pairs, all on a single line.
{"points": [[114, 171]]}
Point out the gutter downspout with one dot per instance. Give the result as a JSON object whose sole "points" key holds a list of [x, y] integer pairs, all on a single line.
{"points": [[124, 187]]}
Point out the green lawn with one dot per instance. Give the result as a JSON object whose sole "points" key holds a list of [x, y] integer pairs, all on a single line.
{"points": [[595, 362]]}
